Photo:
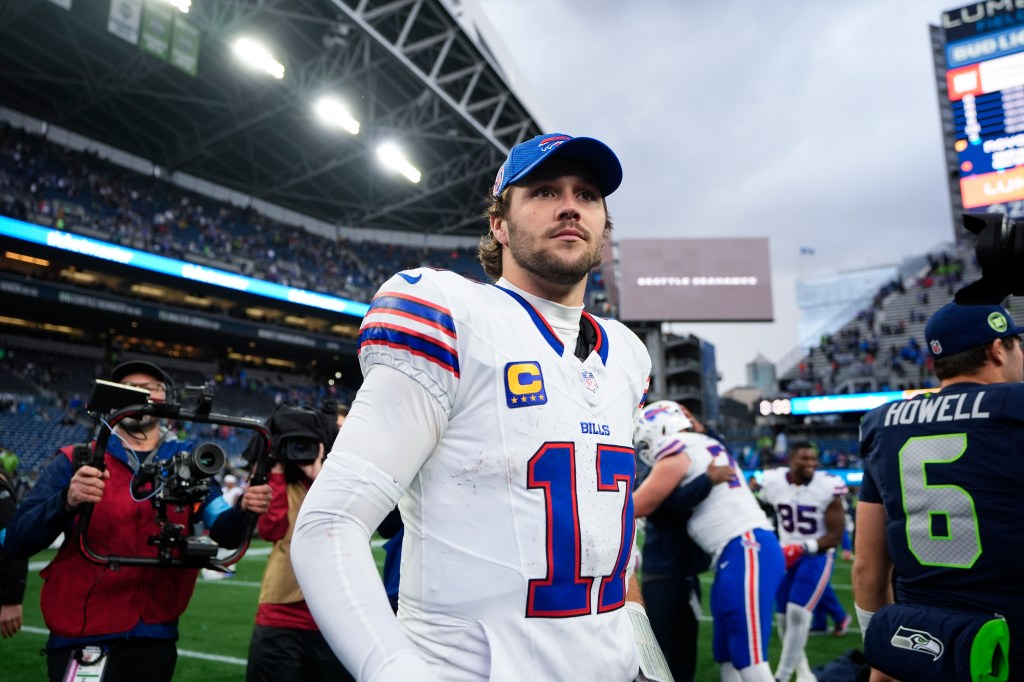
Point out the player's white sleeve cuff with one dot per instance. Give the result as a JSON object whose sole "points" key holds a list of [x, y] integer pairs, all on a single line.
{"points": [[811, 546], [863, 619]]}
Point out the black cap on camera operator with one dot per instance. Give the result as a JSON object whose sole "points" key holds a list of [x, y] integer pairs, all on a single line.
{"points": [[286, 639], [129, 612]]}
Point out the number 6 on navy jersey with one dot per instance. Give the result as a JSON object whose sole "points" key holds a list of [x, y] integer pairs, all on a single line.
{"points": [[565, 592]]}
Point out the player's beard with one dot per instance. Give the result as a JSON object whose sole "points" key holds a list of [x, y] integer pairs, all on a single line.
{"points": [[545, 264]]}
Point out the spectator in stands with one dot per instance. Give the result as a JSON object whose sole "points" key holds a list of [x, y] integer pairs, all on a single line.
{"points": [[9, 461], [158, 217], [130, 613], [12, 571], [286, 644]]}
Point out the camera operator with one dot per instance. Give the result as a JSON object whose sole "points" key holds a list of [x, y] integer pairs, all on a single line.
{"points": [[12, 571], [127, 615], [286, 644]]}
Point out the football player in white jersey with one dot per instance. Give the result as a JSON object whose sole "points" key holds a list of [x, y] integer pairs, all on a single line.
{"points": [[499, 418], [809, 511], [729, 525]]}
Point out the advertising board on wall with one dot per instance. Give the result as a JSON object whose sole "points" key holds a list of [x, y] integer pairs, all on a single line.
{"points": [[695, 280]]}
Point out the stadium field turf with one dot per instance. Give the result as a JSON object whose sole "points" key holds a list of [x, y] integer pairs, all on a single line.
{"points": [[215, 629]]}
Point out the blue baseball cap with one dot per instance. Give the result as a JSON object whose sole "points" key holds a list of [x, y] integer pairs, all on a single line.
{"points": [[954, 328], [525, 157]]}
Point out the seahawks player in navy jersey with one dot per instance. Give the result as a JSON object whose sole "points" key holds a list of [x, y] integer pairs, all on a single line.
{"points": [[938, 521]]}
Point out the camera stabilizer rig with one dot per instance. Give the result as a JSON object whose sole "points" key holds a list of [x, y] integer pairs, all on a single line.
{"points": [[181, 481]]}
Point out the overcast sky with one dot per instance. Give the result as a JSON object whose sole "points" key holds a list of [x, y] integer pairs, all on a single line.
{"points": [[814, 124]]}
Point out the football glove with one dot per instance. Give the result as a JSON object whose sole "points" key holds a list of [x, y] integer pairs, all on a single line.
{"points": [[793, 554]]}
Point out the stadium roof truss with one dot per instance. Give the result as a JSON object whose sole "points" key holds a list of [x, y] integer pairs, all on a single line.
{"points": [[406, 68]]}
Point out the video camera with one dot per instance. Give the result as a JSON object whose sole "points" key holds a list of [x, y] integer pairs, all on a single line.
{"points": [[181, 481], [297, 432], [999, 247]]}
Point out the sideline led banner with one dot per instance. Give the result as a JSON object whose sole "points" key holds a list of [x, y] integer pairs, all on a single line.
{"points": [[830, 404], [67, 241]]}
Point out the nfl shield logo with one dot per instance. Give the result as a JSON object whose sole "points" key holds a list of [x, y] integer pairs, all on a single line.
{"points": [[589, 380]]}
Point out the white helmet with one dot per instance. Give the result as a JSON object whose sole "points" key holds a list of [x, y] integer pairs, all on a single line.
{"points": [[660, 418]]}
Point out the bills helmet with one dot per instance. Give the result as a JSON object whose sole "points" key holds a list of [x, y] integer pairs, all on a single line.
{"points": [[659, 419]]}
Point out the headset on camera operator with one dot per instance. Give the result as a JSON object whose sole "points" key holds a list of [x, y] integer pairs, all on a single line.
{"points": [[286, 643], [125, 614]]}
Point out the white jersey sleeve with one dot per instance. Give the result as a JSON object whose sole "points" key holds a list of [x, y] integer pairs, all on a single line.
{"points": [[362, 480], [410, 327]]}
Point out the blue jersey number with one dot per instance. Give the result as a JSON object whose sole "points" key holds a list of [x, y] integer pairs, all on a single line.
{"points": [[564, 591]]}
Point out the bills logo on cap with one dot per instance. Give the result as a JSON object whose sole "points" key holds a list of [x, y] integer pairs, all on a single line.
{"points": [[549, 143], [935, 346], [498, 179]]}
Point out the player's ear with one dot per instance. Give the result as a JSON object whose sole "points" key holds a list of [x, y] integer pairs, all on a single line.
{"points": [[997, 353], [498, 229]]}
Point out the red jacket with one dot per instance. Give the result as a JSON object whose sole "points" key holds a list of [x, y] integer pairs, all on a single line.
{"points": [[82, 599]]}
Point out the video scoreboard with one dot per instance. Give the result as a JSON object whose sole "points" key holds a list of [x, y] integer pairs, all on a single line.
{"points": [[985, 82]]}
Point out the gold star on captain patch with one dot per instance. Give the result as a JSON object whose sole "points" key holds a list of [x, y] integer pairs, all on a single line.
{"points": [[533, 398], [515, 400], [540, 397]]}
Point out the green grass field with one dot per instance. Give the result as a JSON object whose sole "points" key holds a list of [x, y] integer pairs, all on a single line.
{"points": [[216, 628]]}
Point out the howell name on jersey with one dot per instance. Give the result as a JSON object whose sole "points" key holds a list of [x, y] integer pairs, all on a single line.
{"points": [[938, 408]]}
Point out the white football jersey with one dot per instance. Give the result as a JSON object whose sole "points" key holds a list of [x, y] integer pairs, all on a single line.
{"points": [[519, 527], [730, 509], [800, 509]]}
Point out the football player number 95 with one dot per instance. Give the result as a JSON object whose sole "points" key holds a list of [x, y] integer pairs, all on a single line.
{"points": [[941, 523], [565, 591]]}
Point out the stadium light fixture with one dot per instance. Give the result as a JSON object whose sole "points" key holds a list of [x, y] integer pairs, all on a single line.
{"points": [[182, 6], [393, 158], [258, 57], [334, 113]]}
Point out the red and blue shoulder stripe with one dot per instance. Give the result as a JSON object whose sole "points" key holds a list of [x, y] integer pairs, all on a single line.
{"points": [[406, 323]]}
